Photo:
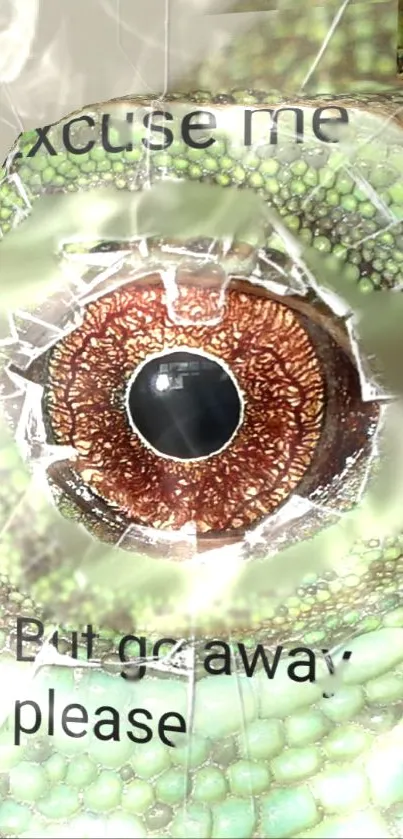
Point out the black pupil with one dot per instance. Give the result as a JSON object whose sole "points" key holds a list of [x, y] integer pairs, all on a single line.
{"points": [[184, 405]]}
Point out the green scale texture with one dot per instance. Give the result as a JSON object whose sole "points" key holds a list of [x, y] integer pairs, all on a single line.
{"points": [[264, 758], [359, 54], [347, 206]]}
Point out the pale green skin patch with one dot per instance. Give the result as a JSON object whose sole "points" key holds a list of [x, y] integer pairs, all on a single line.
{"points": [[269, 758]]}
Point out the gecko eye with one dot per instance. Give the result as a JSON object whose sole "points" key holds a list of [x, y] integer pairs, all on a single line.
{"points": [[205, 416], [189, 389]]}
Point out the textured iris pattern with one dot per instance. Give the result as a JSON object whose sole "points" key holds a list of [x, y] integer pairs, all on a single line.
{"points": [[262, 757]]}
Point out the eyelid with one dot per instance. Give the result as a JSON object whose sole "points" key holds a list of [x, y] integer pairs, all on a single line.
{"points": [[299, 251], [189, 210], [178, 210], [374, 325]]}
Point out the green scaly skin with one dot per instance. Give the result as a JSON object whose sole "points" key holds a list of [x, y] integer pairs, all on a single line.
{"points": [[270, 760], [281, 47]]}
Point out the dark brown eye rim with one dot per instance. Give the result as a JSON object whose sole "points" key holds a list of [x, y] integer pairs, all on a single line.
{"points": [[344, 425]]}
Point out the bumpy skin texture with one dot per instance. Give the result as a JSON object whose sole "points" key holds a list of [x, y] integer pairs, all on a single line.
{"points": [[267, 758], [284, 761], [284, 47]]}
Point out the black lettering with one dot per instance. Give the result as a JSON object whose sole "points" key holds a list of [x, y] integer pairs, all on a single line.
{"points": [[18, 727], [163, 727], [142, 644], [74, 644], [210, 122], [89, 636], [55, 640], [161, 643], [225, 656], [147, 122], [105, 128], [114, 723], [42, 140], [260, 652], [67, 140], [132, 720], [248, 122], [67, 720], [23, 623], [318, 120], [274, 114], [51, 711], [310, 665]]}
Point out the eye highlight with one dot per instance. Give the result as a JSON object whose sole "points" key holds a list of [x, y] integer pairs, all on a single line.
{"points": [[288, 419], [184, 404], [274, 408]]}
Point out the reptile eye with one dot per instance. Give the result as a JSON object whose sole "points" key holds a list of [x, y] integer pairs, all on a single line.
{"points": [[193, 393], [185, 420]]}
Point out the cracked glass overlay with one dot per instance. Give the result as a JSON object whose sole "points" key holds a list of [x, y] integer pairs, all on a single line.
{"points": [[375, 525]]}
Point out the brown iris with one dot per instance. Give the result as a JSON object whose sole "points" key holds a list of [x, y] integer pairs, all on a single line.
{"points": [[302, 417]]}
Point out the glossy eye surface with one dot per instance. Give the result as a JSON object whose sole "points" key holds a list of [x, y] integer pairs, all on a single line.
{"points": [[288, 441], [184, 404], [276, 408], [263, 756]]}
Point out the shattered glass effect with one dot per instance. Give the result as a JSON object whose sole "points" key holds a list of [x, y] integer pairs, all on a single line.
{"points": [[358, 736], [79, 279], [32, 333], [330, 50]]}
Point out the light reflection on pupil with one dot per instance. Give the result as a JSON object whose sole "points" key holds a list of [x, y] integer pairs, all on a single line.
{"points": [[184, 405]]}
